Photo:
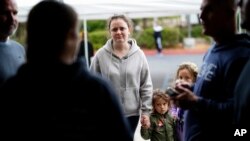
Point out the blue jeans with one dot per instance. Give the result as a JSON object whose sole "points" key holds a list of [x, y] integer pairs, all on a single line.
{"points": [[133, 122]]}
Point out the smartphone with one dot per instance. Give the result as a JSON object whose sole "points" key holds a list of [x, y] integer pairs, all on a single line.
{"points": [[186, 86], [171, 92]]}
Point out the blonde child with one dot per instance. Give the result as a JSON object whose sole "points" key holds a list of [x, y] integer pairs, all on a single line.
{"points": [[186, 74], [161, 127]]}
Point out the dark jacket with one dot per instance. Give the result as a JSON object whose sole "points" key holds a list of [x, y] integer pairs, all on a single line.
{"points": [[61, 102], [242, 102], [81, 52], [212, 117]]}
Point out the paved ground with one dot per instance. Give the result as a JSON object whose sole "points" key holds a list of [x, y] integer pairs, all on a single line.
{"points": [[198, 49]]}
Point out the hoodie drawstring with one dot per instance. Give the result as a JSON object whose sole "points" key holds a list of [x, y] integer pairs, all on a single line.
{"points": [[126, 73], [110, 63]]}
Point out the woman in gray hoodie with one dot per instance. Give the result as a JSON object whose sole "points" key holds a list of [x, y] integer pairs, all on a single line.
{"points": [[123, 62]]}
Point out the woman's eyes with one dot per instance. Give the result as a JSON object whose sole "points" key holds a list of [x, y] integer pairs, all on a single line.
{"points": [[116, 29]]}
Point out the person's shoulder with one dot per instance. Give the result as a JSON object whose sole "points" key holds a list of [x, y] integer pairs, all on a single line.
{"points": [[241, 46], [141, 53], [243, 40], [101, 51], [98, 85], [15, 43], [243, 36], [12, 83], [11, 43], [135, 48], [17, 47], [95, 79]]}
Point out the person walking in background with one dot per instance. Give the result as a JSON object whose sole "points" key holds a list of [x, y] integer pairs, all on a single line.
{"points": [[209, 107], [186, 74], [67, 106], [161, 127], [157, 36], [242, 89], [82, 49], [12, 54], [124, 63]]}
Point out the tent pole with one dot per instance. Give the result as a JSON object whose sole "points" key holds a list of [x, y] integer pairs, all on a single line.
{"points": [[189, 26], [86, 41]]}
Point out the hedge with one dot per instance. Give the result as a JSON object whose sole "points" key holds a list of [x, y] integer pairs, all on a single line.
{"points": [[145, 39], [171, 36]]}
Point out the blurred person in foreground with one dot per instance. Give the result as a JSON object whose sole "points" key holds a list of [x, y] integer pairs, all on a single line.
{"points": [[58, 99], [209, 114], [12, 54], [242, 89]]}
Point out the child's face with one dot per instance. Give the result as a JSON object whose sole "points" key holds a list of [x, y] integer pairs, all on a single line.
{"points": [[185, 76], [161, 106]]}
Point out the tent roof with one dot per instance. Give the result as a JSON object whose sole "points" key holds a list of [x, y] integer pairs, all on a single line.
{"points": [[102, 9]]}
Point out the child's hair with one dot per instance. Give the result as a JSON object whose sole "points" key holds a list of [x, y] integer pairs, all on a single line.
{"points": [[157, 94], [191, 67]]}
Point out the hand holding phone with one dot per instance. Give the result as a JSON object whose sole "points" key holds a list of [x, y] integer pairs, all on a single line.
{"points": [[185, 85], [171, 92]]}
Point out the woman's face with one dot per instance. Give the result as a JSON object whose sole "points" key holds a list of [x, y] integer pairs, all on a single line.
{"points": [[119, 31]]}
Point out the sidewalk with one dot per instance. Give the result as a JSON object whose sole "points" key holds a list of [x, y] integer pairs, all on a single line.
{"points": [[198, 49]]}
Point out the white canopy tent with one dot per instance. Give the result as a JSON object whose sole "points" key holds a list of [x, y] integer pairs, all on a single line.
{"points": [[98, 9], [103, 9]]}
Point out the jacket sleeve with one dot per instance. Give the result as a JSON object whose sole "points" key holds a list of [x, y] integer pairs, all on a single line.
{"points": [[146, 88], [146, 133], [226, 106]]}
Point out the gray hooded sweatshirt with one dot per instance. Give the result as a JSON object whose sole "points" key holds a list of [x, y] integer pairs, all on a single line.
{"points": [[129, 75]]}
